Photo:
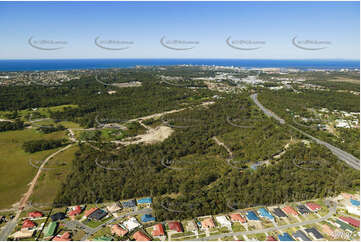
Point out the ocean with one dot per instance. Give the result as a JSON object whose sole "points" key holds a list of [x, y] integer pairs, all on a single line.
{"points": [[70, 64]]}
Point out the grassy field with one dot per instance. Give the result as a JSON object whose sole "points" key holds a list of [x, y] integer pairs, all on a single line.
{"points": [[15, 170], [50, 180]]}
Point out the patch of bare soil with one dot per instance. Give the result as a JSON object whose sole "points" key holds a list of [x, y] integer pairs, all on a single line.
{"points": [[152, 136]]}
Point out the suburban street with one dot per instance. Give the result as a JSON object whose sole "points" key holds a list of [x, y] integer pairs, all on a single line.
{"points": [[217, 236], [342, 155]]}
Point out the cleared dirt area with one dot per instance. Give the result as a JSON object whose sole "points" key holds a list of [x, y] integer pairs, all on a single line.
{"points": [[350, 80], [152, 136]]}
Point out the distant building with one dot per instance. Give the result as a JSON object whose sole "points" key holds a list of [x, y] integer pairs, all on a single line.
{"points": [[289, 211], [303, 209], [350, 221], [131, 224], [28, 224], [145, 200], [58, 216], [208, 223], [75, 211], [223, 221], [129, 204], [314, 207]]}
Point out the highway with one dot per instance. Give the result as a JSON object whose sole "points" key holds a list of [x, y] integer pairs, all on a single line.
{"points": [[342, 155], [330, 213]]}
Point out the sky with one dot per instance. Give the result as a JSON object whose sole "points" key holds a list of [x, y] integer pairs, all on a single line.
{"points": [[255, 30]]}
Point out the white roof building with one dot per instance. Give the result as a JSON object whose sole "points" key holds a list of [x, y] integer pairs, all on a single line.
{"points": [[131, 224], [223, 221]]}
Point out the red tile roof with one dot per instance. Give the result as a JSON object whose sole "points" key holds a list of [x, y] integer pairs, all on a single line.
{"points": [[270, 238], [139, 236], [289, 210], [116, 229], [75, 211], [176, 226], [237, 217], [313, 206], [63, 237], [158, 230], [90, 211], [35, 214], [28, 224], [351, 221]]}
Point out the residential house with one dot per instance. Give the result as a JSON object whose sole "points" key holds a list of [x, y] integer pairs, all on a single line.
{"points": [[270, 238], [263, 213], [350, 221], [35, 214], [98, 214], [140, 236], [208, 223], [314, 207], [28, 224], [290, 211], [118, 230], [252, 216], [316, 235], [300, 235], [236, 217], [353, 206], [344, 226], [131, 224], [129, 204], [285, 237], [144, 200], [147, 218], [158, 230], [223, 221], [279, 213], [327, 230], [90, 211], [75, 211], [302, 209], [64, 237], [113, 208], [175, 226], [58, 216]]}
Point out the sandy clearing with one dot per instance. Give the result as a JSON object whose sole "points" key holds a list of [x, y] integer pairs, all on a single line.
{"points": [[152, 136]]}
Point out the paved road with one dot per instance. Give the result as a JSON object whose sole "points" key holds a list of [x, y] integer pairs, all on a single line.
{"points": [[330, 213], [342, 155], [266, 111]]}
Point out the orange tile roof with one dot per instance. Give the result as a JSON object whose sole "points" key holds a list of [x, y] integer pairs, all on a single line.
{"points": [[139, 236], [116, 229], [158, 230], [90, 211], [327, 229], [290, 210], [237, 217]]}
